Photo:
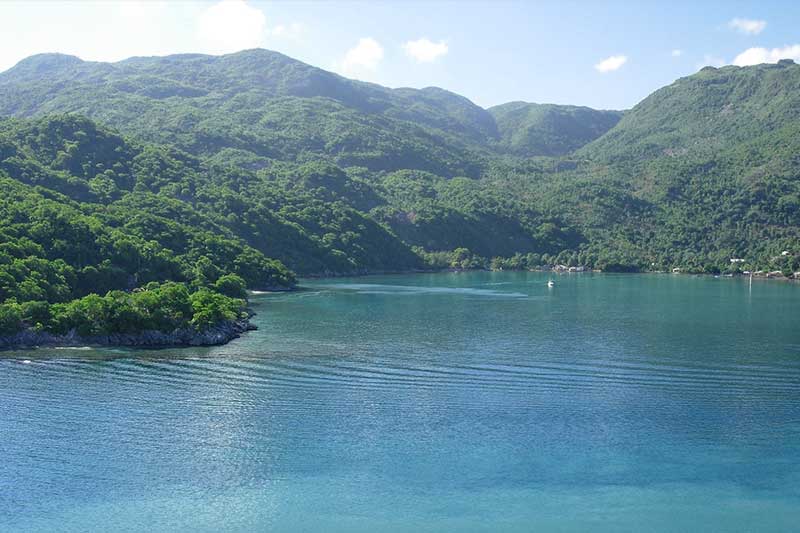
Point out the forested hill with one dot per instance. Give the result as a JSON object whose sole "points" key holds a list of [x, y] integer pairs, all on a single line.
{"points": [[716, 158], [261, 104], [81, 227], [190, 169], [715, 109], [546, 129]]}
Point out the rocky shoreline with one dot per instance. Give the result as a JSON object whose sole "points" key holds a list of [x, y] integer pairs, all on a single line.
{"points": [[222, 333]]}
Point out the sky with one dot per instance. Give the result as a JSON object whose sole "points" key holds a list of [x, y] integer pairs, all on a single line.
{"points": [[602, 54]]}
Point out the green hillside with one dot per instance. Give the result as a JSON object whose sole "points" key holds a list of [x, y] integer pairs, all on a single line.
{"points": [[191, 169], [714, 157], [259, 102], [550, 130]]}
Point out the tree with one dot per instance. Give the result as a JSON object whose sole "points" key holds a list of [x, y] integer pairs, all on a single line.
{"points": [[231, 285]]}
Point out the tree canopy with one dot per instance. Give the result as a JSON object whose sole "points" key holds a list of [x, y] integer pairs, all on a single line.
{"points": [[219, 174]]}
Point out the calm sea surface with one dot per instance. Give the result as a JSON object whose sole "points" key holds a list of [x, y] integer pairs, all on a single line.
{"points": [[445, 402]]}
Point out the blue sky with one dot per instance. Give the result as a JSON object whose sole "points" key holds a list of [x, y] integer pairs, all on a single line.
{"points": [[601, 54]]}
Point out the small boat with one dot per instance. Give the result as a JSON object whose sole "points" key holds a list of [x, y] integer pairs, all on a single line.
{"points": [[551, 283]]}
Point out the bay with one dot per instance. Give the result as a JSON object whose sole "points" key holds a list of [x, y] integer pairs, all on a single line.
{"points": [[444, 402]]}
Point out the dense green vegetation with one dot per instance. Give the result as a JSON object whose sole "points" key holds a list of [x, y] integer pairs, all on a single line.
{"points": [[217, 174], [712, 161], [80, 217], [155, 307], [546, 129]]}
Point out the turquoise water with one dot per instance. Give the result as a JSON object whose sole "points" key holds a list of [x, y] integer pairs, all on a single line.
{"points": [[447, 402]]}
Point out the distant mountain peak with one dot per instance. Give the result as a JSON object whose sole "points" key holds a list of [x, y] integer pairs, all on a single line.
{"points": [[529, 129], [47, 62], [706, 112]]}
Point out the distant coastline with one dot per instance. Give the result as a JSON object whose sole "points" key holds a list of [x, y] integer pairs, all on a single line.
{"points": [[774, 276], [228, 330]]}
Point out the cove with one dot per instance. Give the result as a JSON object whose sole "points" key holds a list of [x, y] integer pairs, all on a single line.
{"points": [[480, 401]]}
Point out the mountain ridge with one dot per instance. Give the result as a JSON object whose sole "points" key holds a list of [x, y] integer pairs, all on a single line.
{"points": [[261, 72], [632, 190]]}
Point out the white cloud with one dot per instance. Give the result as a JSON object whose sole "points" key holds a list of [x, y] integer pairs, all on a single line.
{"points": [[96, 31], [230, 26], [748, 26], [288, 31], [676, 52], [364, 56], [141, 9], [424, 50], [756, 56], [611, 63], [115, 30]]}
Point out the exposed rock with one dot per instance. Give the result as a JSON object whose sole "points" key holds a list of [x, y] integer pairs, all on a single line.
{"points": [[219, 334]]}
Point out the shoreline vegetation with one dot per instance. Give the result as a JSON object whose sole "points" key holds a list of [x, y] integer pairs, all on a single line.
{"points": [[185, 181], [158, 314], [783, 266], [168, 315], [558, 269]]}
